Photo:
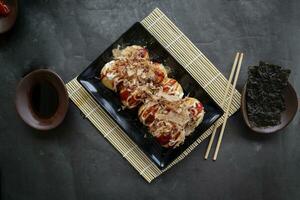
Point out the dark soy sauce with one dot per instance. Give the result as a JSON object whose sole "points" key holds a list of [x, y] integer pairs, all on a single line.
{"points": [[44, 99]]}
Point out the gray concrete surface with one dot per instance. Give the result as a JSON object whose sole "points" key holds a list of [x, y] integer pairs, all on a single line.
{"points": [[74, 162]]}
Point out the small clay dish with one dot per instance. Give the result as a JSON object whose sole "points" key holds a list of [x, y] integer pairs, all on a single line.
{"points": [[7, 22], [26, 106], [291, 101]]}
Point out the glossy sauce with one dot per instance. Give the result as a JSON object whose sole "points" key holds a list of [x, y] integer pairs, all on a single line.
{"points": [[124, 95], [44, 99], [164, 139]]}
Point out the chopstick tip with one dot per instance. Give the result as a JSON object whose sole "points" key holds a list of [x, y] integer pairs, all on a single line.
{"points": [[215, 157]]}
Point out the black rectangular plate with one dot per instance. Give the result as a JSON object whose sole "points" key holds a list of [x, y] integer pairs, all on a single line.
{"points": [[128, 119]]}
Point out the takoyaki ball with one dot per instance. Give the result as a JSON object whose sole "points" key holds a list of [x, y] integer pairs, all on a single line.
{"points": [[112, 73]]}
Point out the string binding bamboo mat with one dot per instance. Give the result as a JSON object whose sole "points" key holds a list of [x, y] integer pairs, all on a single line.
{"points": [[192, 59]]}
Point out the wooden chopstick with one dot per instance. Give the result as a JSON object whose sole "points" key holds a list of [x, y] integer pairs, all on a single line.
{"points": [[222, 104], [228, 106]]}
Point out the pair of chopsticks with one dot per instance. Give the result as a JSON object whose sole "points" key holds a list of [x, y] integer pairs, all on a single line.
{"points": [[236, 64]]}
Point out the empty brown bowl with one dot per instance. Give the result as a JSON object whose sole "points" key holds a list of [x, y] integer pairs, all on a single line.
{"points": [[291, 101], [42, 99], [7, 22]]}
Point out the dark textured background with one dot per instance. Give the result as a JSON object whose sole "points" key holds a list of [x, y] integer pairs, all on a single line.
{"points": [[75, 162]]}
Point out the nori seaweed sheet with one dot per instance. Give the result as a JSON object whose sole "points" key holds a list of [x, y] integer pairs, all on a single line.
{"points": [[265, 101]]}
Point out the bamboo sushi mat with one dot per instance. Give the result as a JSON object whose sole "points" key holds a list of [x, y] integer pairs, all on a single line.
{"points": [[192, 59]]}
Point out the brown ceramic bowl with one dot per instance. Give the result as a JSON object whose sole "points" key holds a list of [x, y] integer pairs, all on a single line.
{"points": [[6, 23], [291, 101], [24, 104]]}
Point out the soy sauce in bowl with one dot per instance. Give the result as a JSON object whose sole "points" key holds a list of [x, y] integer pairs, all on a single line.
{"points": [[44, 99]]}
